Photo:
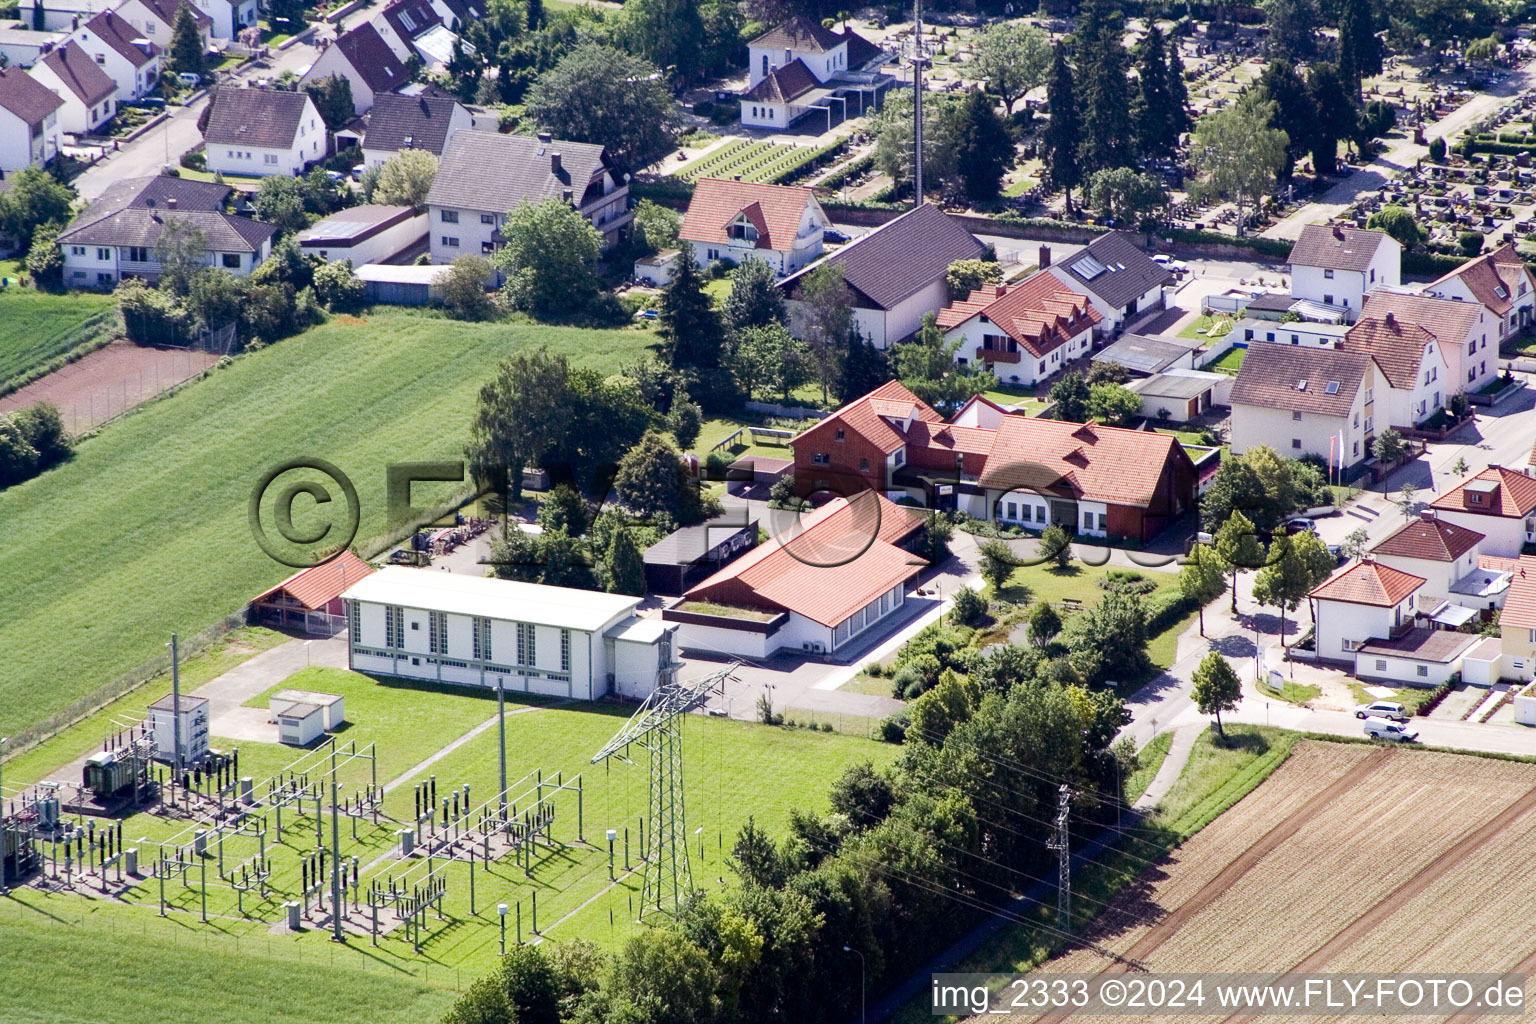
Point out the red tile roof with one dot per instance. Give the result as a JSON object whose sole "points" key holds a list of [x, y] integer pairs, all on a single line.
{"points": [[1370, 583], [1516, 497], [1398, 347], [1430, 539], [1089, 461], [318, 585], [870, 416], [775, 210], [1498, 563], [1484, 276], [1040, 314], [1450, 320], [1520, 604], [827, 565], [783, 84]]}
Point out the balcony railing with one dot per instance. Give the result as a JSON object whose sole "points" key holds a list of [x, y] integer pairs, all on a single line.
{"points": [[996, 355]]}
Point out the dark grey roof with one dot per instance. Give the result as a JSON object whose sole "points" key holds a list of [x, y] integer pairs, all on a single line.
{"points": [[488, 171], [266, 118], [410, 18], [464, 11], [799, 33], [1141, 353], [899, 258], [1421, 644], [1113, 268], [135, 212], [353, 224], [1271, 302], [1271, 372], [373, 60], [166, 11], [410, 122], [154, 192], [1172, 385], [26, 97], [115, 32], [783, 84], [692, 543], [80, 74], [1336, 247]]}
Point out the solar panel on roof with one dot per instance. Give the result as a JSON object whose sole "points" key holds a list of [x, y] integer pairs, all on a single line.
{"points": [[1088, 267]]}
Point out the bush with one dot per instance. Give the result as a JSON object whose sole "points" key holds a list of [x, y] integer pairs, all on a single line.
{"points": [[464, 293], [894, 729], [1441, 692], [1437, 150], [150, 316], [1126, 581], [1471, 242], [337, 288], [970, 608], [1165, 610], [704, 108], [194, 160]]}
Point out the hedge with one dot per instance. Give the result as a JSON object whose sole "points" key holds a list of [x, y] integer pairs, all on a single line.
{"points": [[1165, 610], [833, 182], [1050, 223], [1277, 247], [1430, 264]]}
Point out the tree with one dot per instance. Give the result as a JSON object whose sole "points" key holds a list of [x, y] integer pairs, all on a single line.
{"points": [[484, 1002], [965, 276], [34, 198], [1398, 221], [280, 201], [286, 15], [684, 421], [1408, 500], [656, 228], [1294, 112], [1070, 394], [968, 607], [769, 363], [1108, 641], [1359, 47], [1216, 688], [1389, 451], [213, 297], [1237, 154], [1061, 134], [1297, 563], [1483, 50], [1108, 138], [180, 252], [1202, 579], [1437, 149], [186, 53], [1335, 115], [625, 565], [521, 414], [1471, 242], [1160, 110], [332, 96], [1056, 545], [828, 322], [1013, 57], [1129, 198], [597, 94], [864, 368], [1265, 486], [665, 977], [563, 509], [45, 263], [863, 794], [668, 33], [1113, 404], [609, 415], [755, 299], [1459, 467], [43, 428], [18, 459], [464, 293], [1237, 545], [405, 179], [755, 858], [548, 257], [531, 983], [997, 563], [338, 289], [1107, 371], [687, 322], [983, 147], [651, 477], [1044, 623], [926, 365], [1293, 25]]}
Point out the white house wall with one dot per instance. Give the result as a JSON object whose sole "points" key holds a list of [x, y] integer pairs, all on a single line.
{"points": [[377, 248], [1405, 671]]}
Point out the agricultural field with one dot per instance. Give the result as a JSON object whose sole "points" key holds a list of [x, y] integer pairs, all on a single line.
{"points": [[1293, 879], [36, 327], [145, 531], [754, 160]]}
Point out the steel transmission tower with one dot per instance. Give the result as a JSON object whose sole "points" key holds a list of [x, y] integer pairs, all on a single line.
{"points": [[1061, 842], [919, 60], [657, 727]]}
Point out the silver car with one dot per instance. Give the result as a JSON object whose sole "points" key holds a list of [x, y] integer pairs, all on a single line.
{"points": [[1389, 709]]}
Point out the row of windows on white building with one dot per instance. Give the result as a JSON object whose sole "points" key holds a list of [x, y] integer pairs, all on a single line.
{"points": [[437, 636]]}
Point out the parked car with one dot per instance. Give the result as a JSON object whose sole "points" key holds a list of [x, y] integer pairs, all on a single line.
{"points": [[832, 236], [190, 78], [1177, 266], [1383, 709], [1299, 525], [1383, 729]]}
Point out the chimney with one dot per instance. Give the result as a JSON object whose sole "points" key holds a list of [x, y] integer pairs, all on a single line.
{"points": [[545, 137], [170, 203], [1391, 320], [735, 177], [567, 195], [1045, 256], [1338, 232], [1427, 514], [554, 162]]}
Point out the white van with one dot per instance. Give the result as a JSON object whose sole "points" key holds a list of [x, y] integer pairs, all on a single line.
{"points": [[1385, 729]]}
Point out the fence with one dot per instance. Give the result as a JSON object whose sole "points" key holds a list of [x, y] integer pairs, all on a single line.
{"points": [[91, 335], [133, 387], [789, 412]]}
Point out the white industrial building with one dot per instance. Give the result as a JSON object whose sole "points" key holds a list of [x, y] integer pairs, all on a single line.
{"points": [[479, 631], [190, 714]]}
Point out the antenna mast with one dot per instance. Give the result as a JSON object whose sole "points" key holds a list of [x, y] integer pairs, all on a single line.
{"points": [[919, 61]]}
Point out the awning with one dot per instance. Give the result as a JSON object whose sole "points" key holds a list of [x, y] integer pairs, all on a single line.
{"points": [[1452, 616]]}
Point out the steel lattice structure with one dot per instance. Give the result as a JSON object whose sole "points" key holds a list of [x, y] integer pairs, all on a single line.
{"points": [[656, 726]]}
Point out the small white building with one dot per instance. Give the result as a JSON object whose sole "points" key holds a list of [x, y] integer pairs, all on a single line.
{"points": [[1496, 502], [402, 286], [741, 220], [61, 14], [1339, 265], [303, 716], [367, 63], [186, 723], [263, 132], [1117, 276], [1305, 401], [1500, 282], [88, 92], [478, 631], [229, 16], [29, 121], [364, 234], [123, 52], [1420, 657], [1310, 333], [1363, 602], [1179, 396], [657, 269]]}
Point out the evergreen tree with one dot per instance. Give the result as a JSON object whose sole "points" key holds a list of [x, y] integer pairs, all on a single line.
{"points": [[1336, 115], [1062, 131], [755, 299], [1359, 47], [626, 567], [864, 369], [1294, 113], [186, 54], [1107, 138], [535, 14], [1292, 27], [985, 148], [687, 322], [1159, 120]]}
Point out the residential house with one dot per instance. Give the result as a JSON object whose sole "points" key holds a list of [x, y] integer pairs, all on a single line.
{"points": [[1306, 401], [465, 630], [155, 20], [1501, 282], [363, 58], [1361, 602], [1295, 332], [1446, 555], [61, 15], [365, 234], [1023, 333], [819, 585], [455, 14], [485, 175], [895, 273], [29, 121], [116, 236], [263, 132], [1497, 502], [1464, 330], [1115, 275], [999, 466], [741, 220], [230, 17], [1339, 266], [123, 52], [428, 122], [1411, 364], [24, 47], [402, 22], [1517, 622], [801, 67], [88, 92]]}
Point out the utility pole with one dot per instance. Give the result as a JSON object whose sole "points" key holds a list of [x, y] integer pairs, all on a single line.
{"points": [[501, 739], [176, 705], [1060, 841], [336, 907], [919, 60]]}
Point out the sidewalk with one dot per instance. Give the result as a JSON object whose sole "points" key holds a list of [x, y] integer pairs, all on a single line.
{"points": [[1172, 767]]}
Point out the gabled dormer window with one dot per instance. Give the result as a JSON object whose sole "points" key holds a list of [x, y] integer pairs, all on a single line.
{"points": [[742, 229]]}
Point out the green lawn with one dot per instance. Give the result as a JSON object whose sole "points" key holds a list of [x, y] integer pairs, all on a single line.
{"points": [[1207, 326], [1230, 362], [1149, 760], [36, 327], [1024, 399], [145, 531]]}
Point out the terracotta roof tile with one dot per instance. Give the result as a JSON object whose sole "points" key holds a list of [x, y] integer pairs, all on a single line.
{"points": [[799, 33], [1520, 605], [1397, 347], [1485, 276], [1368, 582], [1336, 247], [1089, 461], [1271, 373], [775, 210], [1040, 314], [1449, 320], [869, 417], [1516, 494], [320, 584], [1430, 539]]}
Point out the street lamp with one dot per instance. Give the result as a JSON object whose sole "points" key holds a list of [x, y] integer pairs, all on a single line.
{"points": [[850, 949], [501, 912]]}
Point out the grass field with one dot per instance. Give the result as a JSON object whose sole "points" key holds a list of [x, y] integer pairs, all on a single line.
{"points": [[145, 531], [36, 327], [1150, 759]]}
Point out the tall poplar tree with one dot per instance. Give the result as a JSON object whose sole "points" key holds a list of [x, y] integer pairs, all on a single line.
{"points": [[1062, 131]]}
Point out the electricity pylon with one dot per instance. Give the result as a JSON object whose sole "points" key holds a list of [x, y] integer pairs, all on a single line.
{"points": [[656, 726]]}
